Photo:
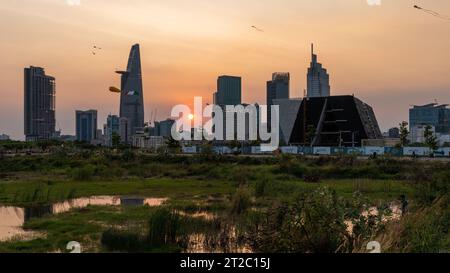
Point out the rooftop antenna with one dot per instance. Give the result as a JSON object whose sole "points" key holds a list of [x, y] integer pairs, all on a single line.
{"points": [[156, 115], [313, 56], [151, 116]]}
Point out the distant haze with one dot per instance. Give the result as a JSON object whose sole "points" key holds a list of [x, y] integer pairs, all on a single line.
{"points": [[390, 56]]}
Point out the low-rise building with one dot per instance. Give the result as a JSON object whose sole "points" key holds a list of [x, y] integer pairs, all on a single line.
{"points": [[163, 128], [394, 133], [144, 141], [385, 142], [417, 134]]}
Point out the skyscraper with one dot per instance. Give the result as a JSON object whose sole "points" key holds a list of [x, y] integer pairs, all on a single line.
{"points": [[132, 97], [229, 91], [277, 88], [112, 127], [318, 78], [39, 104], [124, 130], [86, 125]]}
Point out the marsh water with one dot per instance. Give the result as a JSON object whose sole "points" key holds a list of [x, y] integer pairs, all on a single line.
{"points": [[12, 219]]}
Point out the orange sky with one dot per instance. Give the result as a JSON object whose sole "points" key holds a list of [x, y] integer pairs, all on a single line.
{"points": [[391, 56]]}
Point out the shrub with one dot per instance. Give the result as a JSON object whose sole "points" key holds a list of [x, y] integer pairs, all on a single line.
{"points": [[423, 231], [115, 240], [312, 175], [128, 155], [164, 227], [260, 188], [314, 223], [83, 173], [241, 202], [430, 187]]}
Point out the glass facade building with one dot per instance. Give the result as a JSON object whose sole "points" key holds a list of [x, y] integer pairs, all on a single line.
{"points": [[277, 88], [318, 80], [86, 125], [229, 91], [132, 97], [432, 114]]}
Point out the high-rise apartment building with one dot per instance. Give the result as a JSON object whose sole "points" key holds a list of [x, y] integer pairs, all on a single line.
{"points": [[86, 125], [432, 114], [229, 91], [277, 88], [39, 104], [111, 128]]}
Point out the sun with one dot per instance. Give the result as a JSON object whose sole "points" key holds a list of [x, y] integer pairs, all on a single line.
{"points": [[190, 116]]}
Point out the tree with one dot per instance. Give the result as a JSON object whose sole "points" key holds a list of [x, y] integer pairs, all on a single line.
{"points": [[173, 145], [310, 133], [404, 133], [115, 140], [430, 138]]}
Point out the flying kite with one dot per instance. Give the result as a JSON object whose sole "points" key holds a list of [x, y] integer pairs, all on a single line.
{"points": [[257, 29], [95, 49], [433, 13], [113, 89]]}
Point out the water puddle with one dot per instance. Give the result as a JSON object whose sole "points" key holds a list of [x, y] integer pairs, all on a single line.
{"points": [[13, 218], [208, 216], [226, 242]]}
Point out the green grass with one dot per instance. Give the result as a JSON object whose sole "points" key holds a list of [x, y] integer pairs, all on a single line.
{"points": [[192, 184], [24, 193]]}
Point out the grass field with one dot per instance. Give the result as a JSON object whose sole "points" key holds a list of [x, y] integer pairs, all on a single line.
{"points": [[240, 191]]}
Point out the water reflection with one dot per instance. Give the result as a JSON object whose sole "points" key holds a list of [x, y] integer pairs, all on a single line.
{"points": [[13, 218], [225, 242]]}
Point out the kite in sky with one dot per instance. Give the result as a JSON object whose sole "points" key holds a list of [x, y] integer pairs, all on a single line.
{"points": [[257, 29], [434, 13], [95, 49]]}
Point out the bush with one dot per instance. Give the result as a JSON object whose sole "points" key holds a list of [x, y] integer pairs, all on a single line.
{"points": [[290, 165], [241, 176], [115, 240], [312, 175], [314, 223], [83, 173], [128, 155], [423, 231], [241, 202], [260, 188], [164, 227], [430, 187]]}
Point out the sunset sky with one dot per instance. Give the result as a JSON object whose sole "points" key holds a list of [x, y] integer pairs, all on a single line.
{"points": [[390, 56]]}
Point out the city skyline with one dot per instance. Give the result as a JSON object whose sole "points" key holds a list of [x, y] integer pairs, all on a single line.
{"points": [[390, 56]]}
